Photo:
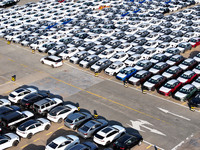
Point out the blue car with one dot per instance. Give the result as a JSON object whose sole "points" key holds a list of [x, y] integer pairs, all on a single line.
{"points": [[126, 73]]}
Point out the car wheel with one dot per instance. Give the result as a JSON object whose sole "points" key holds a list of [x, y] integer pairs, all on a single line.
{"points": [[107, 143], [153, 89], [140, 143], [74, 128], [42, 62], [138, 83], [44, 114], [29, 136], [12, 127], [60, 120], [52, 66], [47, 127], [170, 94], [15, 143], [3, 124]]}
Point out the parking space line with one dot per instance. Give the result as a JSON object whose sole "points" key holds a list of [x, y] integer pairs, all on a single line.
{"points": [[60, 127], [11, 60], [36, 140], [49, 133], [183, 103], [148, 146], [112, 101], [24, 65], [24, 146]]}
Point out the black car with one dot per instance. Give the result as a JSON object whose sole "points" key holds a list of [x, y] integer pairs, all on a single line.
{"points": [[155, 28], [195, 102], [135, 50], [166, 31], [139, 41], [84, 146], [129, 38], [7, 3], [8, 109], [127, 141], [100, 65], [81, 35], [27, 101], [104, 40]]}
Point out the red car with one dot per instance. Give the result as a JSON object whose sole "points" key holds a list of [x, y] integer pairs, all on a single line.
{"points": [[170, 87], [195, 41], [187, 77]]}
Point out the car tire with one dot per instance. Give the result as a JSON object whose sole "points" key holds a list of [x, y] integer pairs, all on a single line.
{"points": [[74, 128], [52, 66], [3, 124], [42, 62], [12, 128], [29, 136], [140, 143], [60, 120], [15, 143], [170, 94], [44, 114], [107, 143], [138, 83], [47, 127], [153, 89]]}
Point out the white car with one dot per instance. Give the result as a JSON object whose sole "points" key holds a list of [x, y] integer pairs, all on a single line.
{"points": [[163, 47], [197, 69], [20, 93], [151, 44], [124, 47], [12, 35], [63, 142], [8, 140], [152, 36], [197, 57], [108, 134], [132, 60], [4, 102], [196, 83], [114, 68], [120, 56], [148, 53], [59, 113], [68, 53], [31, 127], [176, 41], [52, 61], [107, 53]]}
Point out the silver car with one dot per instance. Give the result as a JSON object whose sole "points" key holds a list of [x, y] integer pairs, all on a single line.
{"points": [[91, 127], [75, 120]]}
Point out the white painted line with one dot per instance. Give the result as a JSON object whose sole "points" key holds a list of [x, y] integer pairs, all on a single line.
{"points": [[181, 143], [168, 112], [153, 144]]}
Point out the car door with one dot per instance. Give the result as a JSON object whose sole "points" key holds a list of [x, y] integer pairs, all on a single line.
{"points": [[32, 129], [39, 127], [64, 145], [112, 136], [5, 143]]}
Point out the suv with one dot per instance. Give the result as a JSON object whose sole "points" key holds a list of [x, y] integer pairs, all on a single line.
{"points": [[27, 101], [12, 120], [45, 105]]}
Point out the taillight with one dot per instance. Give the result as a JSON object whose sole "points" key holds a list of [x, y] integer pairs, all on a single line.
{"points": [[27, 104], [122, 148], [39, 111], [70, 124], [85, 133]]}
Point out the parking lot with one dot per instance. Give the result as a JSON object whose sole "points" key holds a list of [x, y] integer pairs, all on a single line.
{"points": [[162, 121]]}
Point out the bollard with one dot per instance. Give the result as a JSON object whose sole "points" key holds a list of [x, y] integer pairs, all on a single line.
{"points": [[8, 42], [96, 74], [192, 108], [33, 51], [13, 78], [78, 108]]}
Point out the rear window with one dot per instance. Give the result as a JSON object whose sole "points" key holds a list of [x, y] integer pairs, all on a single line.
{"points": [[11, 95], [68, 120], [53, 145], [99, 136]]}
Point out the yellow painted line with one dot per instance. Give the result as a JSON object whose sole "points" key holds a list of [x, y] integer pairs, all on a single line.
{"points": [[183, 103], [11, 60], [49, 133], [148, 147], [24, 65], [24, 146], [112, 101], [61, 127], [8, 92], [36, 140]]}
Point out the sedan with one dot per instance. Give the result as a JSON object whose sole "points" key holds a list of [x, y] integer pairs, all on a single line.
{"points": [[175, 60], [75, 120], [4, 102], [53, 61], [127, 141], [197, 69], [172, 72], [90, 127], [159, 68], [170, 87], [78, 57], [187, 77], [20, 93], [184, 46], [120, 56], [185, 92], [126, 73], [188, 64], [196, 83], [8, 109], [63, 142], [84, 146], [59, 113], [8, 140], [107, 53], [114, 68], [88, 61], [143, 65], [31, 127], [140, 77], [197, 57], [195, 101], [158, 58], [194, 41], [154, 82], [172, 51], [108, 134], [100, 65]]}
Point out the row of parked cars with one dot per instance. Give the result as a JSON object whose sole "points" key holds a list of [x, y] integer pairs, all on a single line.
{"points": [[28, 111], [7, 3]]}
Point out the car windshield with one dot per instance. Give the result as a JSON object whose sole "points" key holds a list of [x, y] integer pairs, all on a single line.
{"points": [[156, 57], [169, 85], [138, 75], [69, 120], [53, 145], [99, 136], [181, 45], [113, 67], [193, 40], [186, 63], [124, 71], [87, 59], [198, 80], [171, 71], [131, 58], [85, 128], [198, 67], [99, 63], [116, 56], [153, 81], [186, 76], [185, 91], [104, 53], [147, 52], [156, 67]]}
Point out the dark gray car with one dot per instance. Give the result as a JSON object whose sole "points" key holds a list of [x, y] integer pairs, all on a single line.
{"points": [[84, 146], [75, 120], [100, 65], [88, 129]]}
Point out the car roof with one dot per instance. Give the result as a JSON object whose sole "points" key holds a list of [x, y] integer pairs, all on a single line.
{"points": [[188, 59], [117, 63], [160, 63], [60, 140], [174, 67], [54, 57], [141, 72], [172, 81], [128, 68], [188, 86], [46, 100], [155, 77], [188, 72]]}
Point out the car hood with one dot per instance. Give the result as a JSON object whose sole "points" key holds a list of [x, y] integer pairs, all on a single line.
{"points": [[134, 80], [196, 84], [183, 66], [164, 89], [153, 60], [95, 67], [167, 75], [153, 70], [182, 80], [180, 95], [197, 71], [170, 62], [138, 67], [84, 62], [148, 84], [120, 75]]}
